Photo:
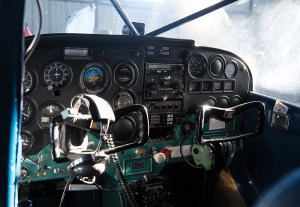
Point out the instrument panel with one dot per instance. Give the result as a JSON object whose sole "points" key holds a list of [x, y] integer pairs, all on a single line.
{"points": [[168, 76]]}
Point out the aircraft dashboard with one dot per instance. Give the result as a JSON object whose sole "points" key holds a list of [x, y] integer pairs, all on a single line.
{"points": [[167, 76]]}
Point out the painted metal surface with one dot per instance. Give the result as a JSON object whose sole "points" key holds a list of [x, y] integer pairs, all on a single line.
{"points": [[11, 47], [270, 156]]}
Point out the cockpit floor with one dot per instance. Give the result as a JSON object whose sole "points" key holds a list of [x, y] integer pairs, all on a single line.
{"points": [[226, 192]]}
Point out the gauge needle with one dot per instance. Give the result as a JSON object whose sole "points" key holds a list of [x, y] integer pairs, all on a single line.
{"points": [[25, 114]]}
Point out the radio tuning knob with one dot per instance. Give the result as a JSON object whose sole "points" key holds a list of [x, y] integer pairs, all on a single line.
{"points": [[180, 94], [178, 86], [151, 86], [149, 94]]}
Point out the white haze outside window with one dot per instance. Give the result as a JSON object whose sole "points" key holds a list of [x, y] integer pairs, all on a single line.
{"points": [[82, 21], [265, 33]]}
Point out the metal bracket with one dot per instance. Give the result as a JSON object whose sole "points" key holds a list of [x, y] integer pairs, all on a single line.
{"points": [[280, 121]]}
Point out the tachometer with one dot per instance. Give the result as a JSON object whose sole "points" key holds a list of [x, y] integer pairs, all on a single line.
{"points": [[197, 65], [95, 78], [47, 111], [125, 74], [28, 112], [57, 74]]}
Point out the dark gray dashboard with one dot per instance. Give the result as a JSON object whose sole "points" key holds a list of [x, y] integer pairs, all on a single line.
{"points": [[168, 76]]}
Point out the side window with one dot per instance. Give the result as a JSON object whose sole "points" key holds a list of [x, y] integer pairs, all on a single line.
{"points": [[265, 34]]}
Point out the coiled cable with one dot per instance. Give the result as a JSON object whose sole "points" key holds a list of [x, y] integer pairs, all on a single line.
{"points": [[109, 140]]}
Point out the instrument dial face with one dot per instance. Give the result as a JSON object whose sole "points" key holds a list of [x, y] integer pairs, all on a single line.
{"points": [[28, 112], [94, 78], [123, 99], [216, 66], [197, 65], [46, 112], [28, 82], [125, 74], [231, 69], [27, 142], [57, 74]]}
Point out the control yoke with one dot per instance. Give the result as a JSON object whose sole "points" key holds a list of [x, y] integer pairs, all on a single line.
{"points": [[127, 127], [228, 114]]}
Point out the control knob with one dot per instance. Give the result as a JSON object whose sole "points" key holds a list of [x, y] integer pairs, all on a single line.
{"points": [[149, 94], [180, 94], [151, 86], [178, 86], [23, 173], [162, 156], [159, 157]]}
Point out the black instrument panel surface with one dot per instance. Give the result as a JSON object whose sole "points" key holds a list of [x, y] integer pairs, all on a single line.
{"points": [[168, 76]]}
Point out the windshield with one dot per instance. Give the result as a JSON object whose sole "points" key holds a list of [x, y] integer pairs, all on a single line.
{"points": [[265, 33]]}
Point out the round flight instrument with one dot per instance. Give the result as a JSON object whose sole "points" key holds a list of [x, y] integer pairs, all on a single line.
{"points": [[27, 142], [57, 74], [123, 99], [231, 69], [28, 112], [216, 66], [95, 78], [197, 65], [28, 82], [47, 111], [125, 74]]}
